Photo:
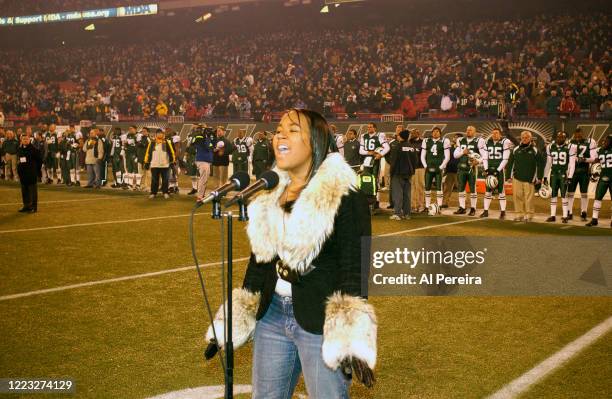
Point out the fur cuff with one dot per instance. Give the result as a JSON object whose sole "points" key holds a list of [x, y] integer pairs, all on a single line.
{"points": [[349, 330], [244, 309]]}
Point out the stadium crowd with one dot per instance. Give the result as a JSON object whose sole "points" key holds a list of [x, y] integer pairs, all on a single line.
{"points": [[544, 65]]}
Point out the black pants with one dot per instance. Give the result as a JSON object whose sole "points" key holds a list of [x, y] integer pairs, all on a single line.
{"points": [[155, 173], [29, 196]]}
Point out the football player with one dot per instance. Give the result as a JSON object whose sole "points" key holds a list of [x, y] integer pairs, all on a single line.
{"points": [[72, 161], [467, 168], [243, 147], [435, 155], [498, 152], [373, 144], [130, 159], [338, 138], [175, 139], [586, 153], [52, 158], [142, 142], [116, 156], [64, 150], [104, 161], [560, 164], [605, 179]]}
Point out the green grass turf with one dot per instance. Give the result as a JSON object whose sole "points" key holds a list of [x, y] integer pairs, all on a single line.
{"points": [[586, 376], [141, 337]]}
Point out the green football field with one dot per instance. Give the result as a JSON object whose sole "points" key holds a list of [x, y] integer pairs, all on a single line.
{"points": [[100, 286]]}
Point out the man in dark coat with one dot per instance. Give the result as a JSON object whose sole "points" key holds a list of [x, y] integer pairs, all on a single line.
{"points": [[29, 162]]}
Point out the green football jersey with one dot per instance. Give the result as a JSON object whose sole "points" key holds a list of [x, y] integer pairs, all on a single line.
{"points": [[495, 152], [116, 145], [472, 145], [370, 143], [559, 157], [51, 139], [582, 149], [605, 159], [434, 152], [64, 147], [71, 140], [130, 144]]}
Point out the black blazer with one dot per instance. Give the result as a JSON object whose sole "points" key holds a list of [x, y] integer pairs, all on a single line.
{"points": [[337, 257], [28, 171]]}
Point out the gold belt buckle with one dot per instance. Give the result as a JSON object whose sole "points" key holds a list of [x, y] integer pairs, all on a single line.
{"points": [[286, 273]]}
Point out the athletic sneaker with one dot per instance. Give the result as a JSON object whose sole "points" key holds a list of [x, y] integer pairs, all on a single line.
{"points": [[460, 211], [583, 216], [151, 196], [395, 217], [192, 192], [551, 219], [502, 215], [166, 196], [484, 214], [472, 212], [593, 222]]}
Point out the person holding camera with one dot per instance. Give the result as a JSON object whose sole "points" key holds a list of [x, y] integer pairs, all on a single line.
{"points": [[158, 158], [204, 142]]}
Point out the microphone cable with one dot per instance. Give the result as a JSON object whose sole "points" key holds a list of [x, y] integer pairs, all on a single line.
{"points": [[201, 279]]}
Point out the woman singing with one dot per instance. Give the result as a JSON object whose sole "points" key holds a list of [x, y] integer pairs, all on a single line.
{"points": [[300, 301]]}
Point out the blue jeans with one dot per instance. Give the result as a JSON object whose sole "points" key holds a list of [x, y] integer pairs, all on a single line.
{"points": [[283, 350]]}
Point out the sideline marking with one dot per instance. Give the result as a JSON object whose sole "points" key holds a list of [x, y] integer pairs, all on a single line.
{"points": [[65, 226], [102, 197], [110, 280], [433, 226], [137, 276], [550, 364]]}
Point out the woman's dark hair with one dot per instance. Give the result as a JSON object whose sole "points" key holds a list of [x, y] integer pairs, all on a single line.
{"points": [[321, 140]]}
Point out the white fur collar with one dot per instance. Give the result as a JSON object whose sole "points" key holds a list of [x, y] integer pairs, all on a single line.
{"points": [[298, 238]]}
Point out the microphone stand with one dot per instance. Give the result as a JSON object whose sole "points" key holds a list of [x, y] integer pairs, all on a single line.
{"points": [[216, 209], [243, 216], [229, 344]]}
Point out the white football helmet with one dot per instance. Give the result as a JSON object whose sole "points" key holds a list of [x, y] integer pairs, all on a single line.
{"points": [[491, 182], [475, 158], [433, 210], [595, 172], [545, 191]]}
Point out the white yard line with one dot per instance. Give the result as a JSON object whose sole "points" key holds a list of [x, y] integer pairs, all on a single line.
{"points": [[433, 226], [104, 197], [552, 363], [110, 280], [66, 226], [180, 269]]}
